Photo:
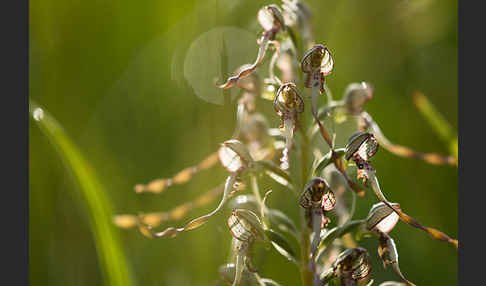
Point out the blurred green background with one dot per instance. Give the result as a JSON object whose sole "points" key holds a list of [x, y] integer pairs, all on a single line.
{"points": [[114, 74]]}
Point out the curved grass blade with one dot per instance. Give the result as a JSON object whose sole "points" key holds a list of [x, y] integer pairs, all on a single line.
{"points": [[115, 268], [437, 121]]}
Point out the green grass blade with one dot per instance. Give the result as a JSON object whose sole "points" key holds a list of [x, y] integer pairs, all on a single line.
{"points": [[437, 121], [115, 267]]}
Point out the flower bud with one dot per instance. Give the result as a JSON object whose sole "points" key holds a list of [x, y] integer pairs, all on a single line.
{"points": [[362, 145], [382, 218], [356, 95], [270, 18], [318, 58], [245, 225], [234, 156], [354, 262], [288, 100], [313, 193]]}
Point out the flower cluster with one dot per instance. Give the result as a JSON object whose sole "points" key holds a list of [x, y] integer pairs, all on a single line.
{"points": [[296, 78]]}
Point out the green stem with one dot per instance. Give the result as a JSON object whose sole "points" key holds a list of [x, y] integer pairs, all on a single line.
{"points": [[306, 274]]}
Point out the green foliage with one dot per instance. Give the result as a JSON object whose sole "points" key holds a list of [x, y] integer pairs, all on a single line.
{"points": [[115, 267]]}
